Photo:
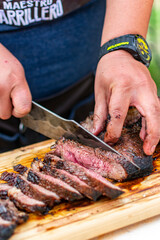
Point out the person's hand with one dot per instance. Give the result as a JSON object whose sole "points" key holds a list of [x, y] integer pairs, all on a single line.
{"points": [[121, 81], [15, 96]]}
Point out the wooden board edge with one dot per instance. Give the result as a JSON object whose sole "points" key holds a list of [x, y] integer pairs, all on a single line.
{"points": [[102, 223]]}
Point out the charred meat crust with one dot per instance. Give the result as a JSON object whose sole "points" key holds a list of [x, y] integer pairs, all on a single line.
{"points": [[3, 194], [91, 178], [4, 190], [146, 167], [70, 179], [20, 168], [6, 229], [131, 146]]}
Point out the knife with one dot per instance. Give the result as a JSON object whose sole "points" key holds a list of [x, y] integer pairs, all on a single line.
{"points": [[54, 126]]}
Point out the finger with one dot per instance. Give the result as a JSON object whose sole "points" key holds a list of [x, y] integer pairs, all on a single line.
{"points": [[21, 100], [151, 109], [118, 108], [153, 132], [5, 106], [100, 114]]}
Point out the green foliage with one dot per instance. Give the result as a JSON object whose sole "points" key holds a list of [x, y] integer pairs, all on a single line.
{"points": [[153, 38]]}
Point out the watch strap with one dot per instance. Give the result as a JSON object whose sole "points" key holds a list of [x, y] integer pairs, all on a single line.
{"points": [[125, 42]]}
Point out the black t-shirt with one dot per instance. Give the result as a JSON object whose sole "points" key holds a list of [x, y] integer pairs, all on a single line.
{"points": [[20, 13]]}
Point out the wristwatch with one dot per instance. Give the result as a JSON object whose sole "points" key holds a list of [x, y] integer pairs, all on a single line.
{"points": [[135, 44]]}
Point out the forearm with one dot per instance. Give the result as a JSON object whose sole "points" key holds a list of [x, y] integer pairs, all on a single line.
{"points": [[126, 17]]}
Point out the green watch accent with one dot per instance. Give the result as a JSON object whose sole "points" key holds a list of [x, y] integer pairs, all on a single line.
{"points": [[135, 44]]}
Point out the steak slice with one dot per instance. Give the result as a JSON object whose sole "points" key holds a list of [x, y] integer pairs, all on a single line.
{"points": [[9, 212], [6, 229], [105, 163], [93, 179], [50, 183], [70, 179], [24, 202], [30, 189]]}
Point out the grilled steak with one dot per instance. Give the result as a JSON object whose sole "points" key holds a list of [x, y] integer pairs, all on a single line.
{"points": [[93, 179], [70, 179], [30, 189], [9, 212], [6, 229], [50, 183]]}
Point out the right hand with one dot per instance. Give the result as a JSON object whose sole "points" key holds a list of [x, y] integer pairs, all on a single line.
{"points": [[15, 96], [121, 81]]}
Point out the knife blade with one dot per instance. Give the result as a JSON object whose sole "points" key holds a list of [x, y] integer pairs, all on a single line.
{"points": [[54, 126]]}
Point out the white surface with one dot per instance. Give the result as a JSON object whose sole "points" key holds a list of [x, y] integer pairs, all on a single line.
{"points": [[148, 229]]}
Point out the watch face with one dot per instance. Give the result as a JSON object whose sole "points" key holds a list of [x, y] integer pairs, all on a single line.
{"points": [[143, 50]]}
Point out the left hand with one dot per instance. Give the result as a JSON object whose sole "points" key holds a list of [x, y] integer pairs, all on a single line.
{"points": [[121, 81]]}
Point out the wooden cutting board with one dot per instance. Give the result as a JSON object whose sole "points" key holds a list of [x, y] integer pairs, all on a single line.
{"points": [[86, 219]]}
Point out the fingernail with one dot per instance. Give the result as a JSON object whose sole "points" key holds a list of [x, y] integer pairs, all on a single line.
{"points": [[94, 130], [153, 148]]}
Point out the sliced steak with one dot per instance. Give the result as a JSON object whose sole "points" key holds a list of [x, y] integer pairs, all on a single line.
{"points": [[9, 212], [30, 189], [70, 179], [93, 179], [105, 163], [50, 183], [6, 229]]}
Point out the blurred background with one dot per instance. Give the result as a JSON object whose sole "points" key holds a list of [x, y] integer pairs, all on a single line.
{"points": [[153, 39]]}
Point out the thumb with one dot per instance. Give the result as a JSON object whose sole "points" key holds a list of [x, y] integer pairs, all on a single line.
{"points": [[21, 100]]}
